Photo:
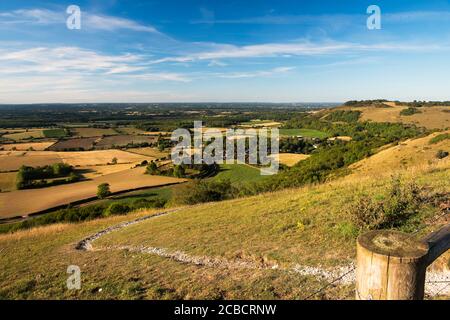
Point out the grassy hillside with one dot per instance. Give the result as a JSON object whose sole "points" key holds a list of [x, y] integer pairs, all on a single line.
{"points": [[238, 173], [243, 248]]}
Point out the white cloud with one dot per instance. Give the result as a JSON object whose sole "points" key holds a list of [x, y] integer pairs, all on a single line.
{"points": [[254, 74], [89, 21]]}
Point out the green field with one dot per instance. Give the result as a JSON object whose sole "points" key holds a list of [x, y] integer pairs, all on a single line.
{"points": [[310, 133], [238, 173], [54, 133]]}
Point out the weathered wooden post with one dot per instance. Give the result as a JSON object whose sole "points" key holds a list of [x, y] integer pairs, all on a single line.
{"points": [[391, 265]]}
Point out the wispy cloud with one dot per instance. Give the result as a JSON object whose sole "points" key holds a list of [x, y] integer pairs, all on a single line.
{"points": [[255, 74], [299, 48], [90, 21]]}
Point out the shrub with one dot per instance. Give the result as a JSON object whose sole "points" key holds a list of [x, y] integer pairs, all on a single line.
{"points": [[439, 138], [392, 210], [441, 154], [200, 191], [409, 111], [117, 209]]}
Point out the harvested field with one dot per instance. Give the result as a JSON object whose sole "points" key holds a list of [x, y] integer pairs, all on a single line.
{"points": [[91, 172], [100, 157], [122, 140], [343, 138], [11, 203], [7, 181], [291, 159], [150, 152], [92, 132], [37, 146], [74, 144], [13, 160]]}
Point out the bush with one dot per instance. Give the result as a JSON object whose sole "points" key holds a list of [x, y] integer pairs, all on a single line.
{"points": [[439, 138], [409, 111], [392, 210], [200, 191], [117, 209], [441, 154]]}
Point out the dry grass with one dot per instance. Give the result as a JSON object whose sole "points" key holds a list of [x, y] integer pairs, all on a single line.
{"points": [[37, 146], [291, 159], [430, 117], [409, 154]]}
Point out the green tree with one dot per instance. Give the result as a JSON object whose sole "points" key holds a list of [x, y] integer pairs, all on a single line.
{"points": [[114, 160], [152, 168], [103, 190], [179, 171]]}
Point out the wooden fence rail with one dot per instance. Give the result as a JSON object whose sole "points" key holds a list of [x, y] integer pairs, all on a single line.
{"points": [[391, 265]]}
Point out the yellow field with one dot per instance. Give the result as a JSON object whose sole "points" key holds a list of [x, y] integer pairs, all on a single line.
{"points": [[13, 160], [291, 159], [430, 117], [7, 181], [91, 172], [92, 132], [25, 202], [38, 146], [32, 133], [343, 138], [99, 157], [408, 154], [150, 152]]}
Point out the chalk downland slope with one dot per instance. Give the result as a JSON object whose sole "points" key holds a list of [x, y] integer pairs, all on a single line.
{"points": [[271, 246], [409, 154]]}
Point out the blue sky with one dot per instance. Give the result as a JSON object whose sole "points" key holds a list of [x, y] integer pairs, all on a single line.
{"points": [[195, 51]]}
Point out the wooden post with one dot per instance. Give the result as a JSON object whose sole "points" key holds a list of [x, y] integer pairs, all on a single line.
{"points": [[391, 265]]}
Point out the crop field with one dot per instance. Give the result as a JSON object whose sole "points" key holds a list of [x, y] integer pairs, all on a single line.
{"points": [[25, 135], [7, 181], [309, 133], [85, 132], [74, 144], [100, 157], [13, 160], [238, 173], [37, 146], [290, 159], [43, 199], [149, 151], [130, 130], [54, 133], [122, 140]]}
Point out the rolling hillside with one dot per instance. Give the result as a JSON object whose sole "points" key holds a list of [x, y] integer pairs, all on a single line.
{"points": [[282, 245]]}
